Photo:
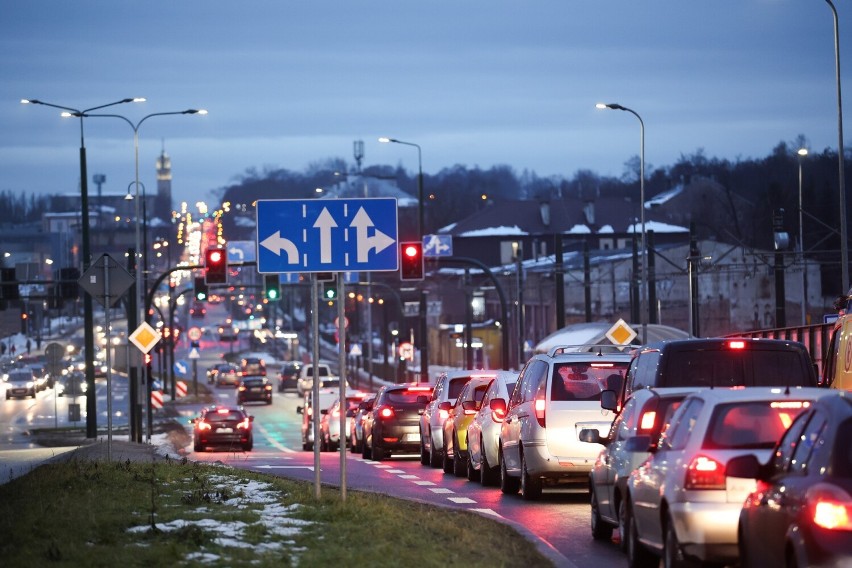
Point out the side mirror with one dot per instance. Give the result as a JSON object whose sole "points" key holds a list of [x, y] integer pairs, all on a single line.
{"points": [[639, 444], [470, 405], [592, 436], [497, 405], [745, 466], [299, 410], [251, 418], [609, 400], [323, 411], [446, 405]]}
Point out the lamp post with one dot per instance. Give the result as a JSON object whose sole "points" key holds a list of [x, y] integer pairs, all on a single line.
{"points": [[844, 244], [88, 319], [139, 312], [643, 295], [802, 152], [424, 343]]}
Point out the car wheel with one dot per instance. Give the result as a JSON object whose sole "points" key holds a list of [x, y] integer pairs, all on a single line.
{"points": [[197, 447], [672, 553], [623, 528], [435, 457], [472, 473], [447, 462], [33, 395], [248, 445], [530, 486], [378, 453], [459, 465], [637, 555], [601, 530], [508, 485], [365, 450], [424, 453], [487, 475]]}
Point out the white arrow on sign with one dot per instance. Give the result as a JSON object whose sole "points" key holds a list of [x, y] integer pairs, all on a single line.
{"points": [[325, 223], [276, 243], [365, 243]]}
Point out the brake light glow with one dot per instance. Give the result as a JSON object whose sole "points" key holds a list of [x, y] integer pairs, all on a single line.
{"points": [[415, 389], [336, 412], [386, 412], [832, 514], [795, 404], [539, 411], [244, 425], [647, 420], [241, 388], [737, 344], [222, 411], [443, 414], [470, 412], [705, 473], [498, 415], [201, 425], [601, 365]]}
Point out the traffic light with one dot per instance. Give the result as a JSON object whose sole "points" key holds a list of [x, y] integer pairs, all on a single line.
{"points": [[69, 289], [216, 262], [9, 286], [272, 287], [411, 261], [329, 291], [200, 289]]}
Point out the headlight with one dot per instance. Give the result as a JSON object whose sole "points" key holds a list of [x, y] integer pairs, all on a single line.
{"points": [[30, 384]]}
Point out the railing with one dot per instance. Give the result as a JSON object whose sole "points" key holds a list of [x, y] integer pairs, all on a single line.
{"points": [[815, 338]]}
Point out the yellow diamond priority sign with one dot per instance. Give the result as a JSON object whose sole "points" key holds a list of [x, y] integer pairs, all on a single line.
{"points": [[145, 337], [621, 333]]}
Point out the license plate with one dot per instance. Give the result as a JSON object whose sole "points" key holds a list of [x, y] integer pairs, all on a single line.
{"points": [[224, 430], [255, 389], [414, 437]]}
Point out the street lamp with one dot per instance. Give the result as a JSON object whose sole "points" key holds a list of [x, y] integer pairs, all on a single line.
{"points": [[844, 245], [802, 152], [88, 319], [424, 349], [138, 313], [643, 296]]}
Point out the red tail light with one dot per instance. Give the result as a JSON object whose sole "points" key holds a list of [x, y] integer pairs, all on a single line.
{"points": [[539, 411], [244, 425], [831, 508], [203, 425], [386, 412], [241, 388], [336, 413], [470, 412], [736, 344], [268, 387], [442, 415], [705, 473], [646, 422]]}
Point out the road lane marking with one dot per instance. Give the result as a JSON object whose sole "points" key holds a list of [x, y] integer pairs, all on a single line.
{"points": [[409, 476], [488, 512], [441, 490], [461, 500], [278, 445], [396, 471], [423, 483], [268, 466]]}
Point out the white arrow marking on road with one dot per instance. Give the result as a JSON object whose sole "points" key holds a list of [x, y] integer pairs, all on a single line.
{"points": [[276, 243], [325, 223], [379, 241]]}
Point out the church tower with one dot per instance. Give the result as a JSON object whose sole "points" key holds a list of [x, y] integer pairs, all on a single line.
{"points": [[163, 205]]}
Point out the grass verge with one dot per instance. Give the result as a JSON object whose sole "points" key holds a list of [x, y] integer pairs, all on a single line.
{"points": [[98, 513]]}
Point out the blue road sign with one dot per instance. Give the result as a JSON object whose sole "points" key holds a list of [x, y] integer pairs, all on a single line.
{"points": [[181, 368], [327, 235], [438, 245], [241, 251]]}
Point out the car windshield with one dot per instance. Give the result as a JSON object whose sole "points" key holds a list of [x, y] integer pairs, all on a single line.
{"points": [[585, 380], [754, 425], [218, 416], [405, 396], [20, 376]]}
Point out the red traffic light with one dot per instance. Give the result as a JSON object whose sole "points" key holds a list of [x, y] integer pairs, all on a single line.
{"points": [[411, 261], [216, 263]]}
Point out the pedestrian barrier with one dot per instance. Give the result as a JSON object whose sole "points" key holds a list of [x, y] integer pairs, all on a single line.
{"points": [[157, 399], [180, 389]]}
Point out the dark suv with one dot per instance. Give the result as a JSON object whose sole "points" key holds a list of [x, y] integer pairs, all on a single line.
{"points": [[720, 362]]}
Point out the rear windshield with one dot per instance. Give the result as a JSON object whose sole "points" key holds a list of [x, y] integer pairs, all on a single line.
{"points": [[726, 368], [456, 386], [405, 396], [751, 425], [843, 450], [215, 416], [323, 371], [253, 382], [585, 381]]}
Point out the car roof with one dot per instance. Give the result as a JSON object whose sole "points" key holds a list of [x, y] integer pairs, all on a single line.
{"points": [[736, 394], [718, 343]]}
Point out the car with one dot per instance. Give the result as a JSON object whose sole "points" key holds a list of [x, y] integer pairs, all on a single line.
{"points": [[213, 370], [446, 390], [680, 504], [720, 362], [646, 413], [356, 427], [392, 426], [255, 388], [330, 421], [43, 378], [558, 393], [253, 365], [228, 375], [483, 433], [72, 384], [21, 383], [801, 513], [306, 376], [227, 332], [288, 376], [228, 426], [325, 400], [458, 419], [197, 310]]}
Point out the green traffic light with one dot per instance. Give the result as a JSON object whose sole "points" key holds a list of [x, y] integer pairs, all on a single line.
{"points": [[272, 294], [330, 293]]}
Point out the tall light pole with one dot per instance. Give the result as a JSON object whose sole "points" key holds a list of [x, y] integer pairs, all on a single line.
{"points": [[88, 317], [643, 295], [138, 314], [424, 343], [844, 242], [802, 152]]}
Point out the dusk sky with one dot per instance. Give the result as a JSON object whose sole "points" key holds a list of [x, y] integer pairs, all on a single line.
{"points": [[473, 82]]}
